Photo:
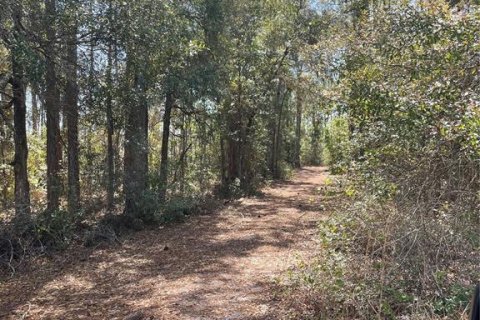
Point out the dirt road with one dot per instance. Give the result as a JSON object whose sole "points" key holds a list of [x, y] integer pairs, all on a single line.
{"points": [[215, 266]]}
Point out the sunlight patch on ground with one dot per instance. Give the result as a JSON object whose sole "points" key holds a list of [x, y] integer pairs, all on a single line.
{"points": [[69, 282]]}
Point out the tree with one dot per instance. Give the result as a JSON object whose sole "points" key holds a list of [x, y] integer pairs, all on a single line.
{"points": [[136, 142], [298, 129], [110, 131], [22, 186], [169, 103], [52, 107], [71, 101]]}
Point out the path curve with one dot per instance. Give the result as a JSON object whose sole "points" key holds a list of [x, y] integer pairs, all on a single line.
{"points": [[216, 266]]}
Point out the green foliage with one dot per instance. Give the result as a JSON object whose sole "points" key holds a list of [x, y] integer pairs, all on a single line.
{"points": [[285, 170], [56, 229], [337, 145], [418, 98], [226, 63], [231, 190], [177, 209], [413, 107], [149, 209], [456, 298], [151, 212]]}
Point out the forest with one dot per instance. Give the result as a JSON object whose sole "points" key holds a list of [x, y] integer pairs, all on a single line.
{"points": [[239, 159]]}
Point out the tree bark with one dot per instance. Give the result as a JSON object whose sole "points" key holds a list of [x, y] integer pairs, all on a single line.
{"points": [[3, 158], [34, 16], [110, 149], [316, 135], [276, 125], [298, 130], [274, 133], [279, 133], [136, 148], [233, 148], [53, 111], [169, 102], [223, 161], [71, 108], [184, 152], [22, 187]]}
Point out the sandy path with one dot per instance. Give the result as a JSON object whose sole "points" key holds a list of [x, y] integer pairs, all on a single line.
{"points": [[217, 266]]}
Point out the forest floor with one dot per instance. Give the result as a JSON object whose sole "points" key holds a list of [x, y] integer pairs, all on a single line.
{"points": [[216, 266]]}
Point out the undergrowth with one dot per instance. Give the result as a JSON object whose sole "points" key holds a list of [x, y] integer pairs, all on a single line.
{"points": [[48, 232], [382, 259]]}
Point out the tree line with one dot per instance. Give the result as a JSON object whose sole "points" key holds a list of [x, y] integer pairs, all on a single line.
{"points": [[127, 101]]}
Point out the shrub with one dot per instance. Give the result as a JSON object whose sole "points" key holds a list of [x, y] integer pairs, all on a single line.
{"points": [[176, 209], [56, 229], [337, 148], [377, 259], [149, 209]]}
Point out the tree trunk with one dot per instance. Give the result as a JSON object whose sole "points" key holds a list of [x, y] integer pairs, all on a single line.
{"points": [[279, 132], [136, 148], [316, 135], [184, 152], [53, 112], [223, 161], [235, 135], [110, 149], [34, 16], [169, 102], [71, 108], [247, 171], [3, 158], [22, 187], [203, 141], [298, 130], [276, 125], [233, 148], [274, 133]]}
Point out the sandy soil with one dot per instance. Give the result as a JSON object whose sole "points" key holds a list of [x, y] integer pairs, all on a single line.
{"points": [[216, 266]]}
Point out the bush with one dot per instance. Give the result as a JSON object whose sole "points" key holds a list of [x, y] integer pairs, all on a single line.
{"points": [[377, 259], [56, 229], [176, 209], [13, 247], [100, 234], [337, 148], [285, 170], [149, 209]]}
